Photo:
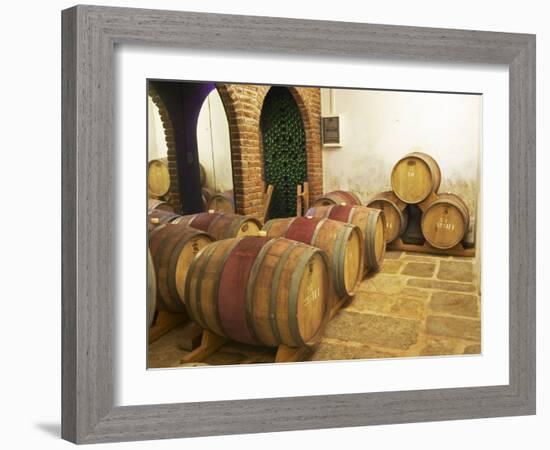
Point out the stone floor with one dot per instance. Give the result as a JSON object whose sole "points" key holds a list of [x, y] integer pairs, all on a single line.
{"points": [[417, 305]]}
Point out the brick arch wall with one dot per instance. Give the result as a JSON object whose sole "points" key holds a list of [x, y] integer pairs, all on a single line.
{"points": [[174, 193], [243, 106]]}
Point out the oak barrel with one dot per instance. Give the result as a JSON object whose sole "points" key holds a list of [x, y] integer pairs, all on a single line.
{"points": [[222, 225], [395, 213], [151, 290], [337, 198], [370, 221], [343, 243], [222, 202], [155, 203], [158, 177], [156, 217], [414, 177], [260, 291], [206, 195], [445, 221], [173, 248]]}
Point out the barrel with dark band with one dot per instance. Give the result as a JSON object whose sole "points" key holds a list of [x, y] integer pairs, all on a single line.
{"points": [[155, 203], [223, 202], [343, 243], [173, 248], [221, 225], [414, 177], [370, 221], [337, 198], [156, 217], [151, 290], [158, 177], [260, 291], [395, 213], [445, 221]]}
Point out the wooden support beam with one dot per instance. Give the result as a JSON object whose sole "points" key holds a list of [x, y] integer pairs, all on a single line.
{"points": [[210, 343], [164, 322], [267, 201]]}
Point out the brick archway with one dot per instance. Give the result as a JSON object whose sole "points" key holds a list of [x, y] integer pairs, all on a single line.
{"points": [[243, 106], [168, 128]]}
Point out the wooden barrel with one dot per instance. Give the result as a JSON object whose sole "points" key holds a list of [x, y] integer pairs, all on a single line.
{"points": [[260, 291], [445, 221], [395, 213], [206, 195], [370, 221], [155, 203], [414, 177], [222, 202], [151, 290], [337, 198], [173, 248], [222, 225], [158, 177], [156, 217], [343, 243]]}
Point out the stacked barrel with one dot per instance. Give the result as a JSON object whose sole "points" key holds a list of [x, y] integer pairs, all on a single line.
{"points": [[235, 282], [158, 188], [273, 284], [415, 180]]}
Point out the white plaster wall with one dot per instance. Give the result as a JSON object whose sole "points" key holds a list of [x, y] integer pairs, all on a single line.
{"points": [[379, 127], [214, 144], [212, 140]]}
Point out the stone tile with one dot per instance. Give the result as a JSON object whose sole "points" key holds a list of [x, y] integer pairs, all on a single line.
{"points": [[438, 346], [456, 271], [440, 285], [420, 256], [454, 303], [419, 269], [327, 351], [165, 351], [373, 329], [370, 301], [416, 293], [408, 307], [392, 254], [454, 327], [223, 358], [472, 349], [391, 266], [382, 283]]}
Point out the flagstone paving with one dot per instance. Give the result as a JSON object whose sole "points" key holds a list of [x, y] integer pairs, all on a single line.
{"points": [[416, 305]]}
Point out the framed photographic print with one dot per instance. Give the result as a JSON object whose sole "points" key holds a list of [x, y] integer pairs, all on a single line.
{"points": [[232, 264]]}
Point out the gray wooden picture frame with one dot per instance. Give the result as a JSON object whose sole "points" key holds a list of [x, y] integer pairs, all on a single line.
{"points": [[90, 34]]}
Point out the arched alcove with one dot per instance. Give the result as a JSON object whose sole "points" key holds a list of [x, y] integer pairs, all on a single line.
{"points": [[284, 149], [213, 144], [179, 105]]}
